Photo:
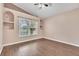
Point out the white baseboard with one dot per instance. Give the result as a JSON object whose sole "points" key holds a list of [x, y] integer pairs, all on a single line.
{"points": [[40, 38], [62, 41], [1, 49], [20, 42]]}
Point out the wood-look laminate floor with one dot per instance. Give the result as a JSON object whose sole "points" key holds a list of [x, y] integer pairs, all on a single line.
{"points": [[42, 47]]}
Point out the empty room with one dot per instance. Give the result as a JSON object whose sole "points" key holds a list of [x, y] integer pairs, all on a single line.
{"points": [[39, 29]]}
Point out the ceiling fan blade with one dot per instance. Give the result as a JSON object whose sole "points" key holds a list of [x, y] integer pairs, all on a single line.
{"points": [[46, 5], [36, 4]]}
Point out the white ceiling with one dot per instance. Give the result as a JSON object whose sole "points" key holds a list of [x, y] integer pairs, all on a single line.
{"points": [[56, 8]]}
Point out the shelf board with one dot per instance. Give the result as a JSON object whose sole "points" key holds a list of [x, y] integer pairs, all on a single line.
{"points": [[8, 25], [8, 22]]}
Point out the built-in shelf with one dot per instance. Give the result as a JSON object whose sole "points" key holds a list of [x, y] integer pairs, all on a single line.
{"points": [[8, 21], [8, 25]]}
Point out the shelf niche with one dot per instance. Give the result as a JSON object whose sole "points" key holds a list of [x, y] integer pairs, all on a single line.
{"points": [[8, 20]]}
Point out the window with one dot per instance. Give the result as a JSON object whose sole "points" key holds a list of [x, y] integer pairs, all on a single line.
{"points": [[27, 27]]}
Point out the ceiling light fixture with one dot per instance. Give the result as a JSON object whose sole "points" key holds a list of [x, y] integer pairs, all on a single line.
{"points": [[42, 5]]}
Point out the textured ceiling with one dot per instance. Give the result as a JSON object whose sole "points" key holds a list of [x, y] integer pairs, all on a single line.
{"points": [[46, 12]]}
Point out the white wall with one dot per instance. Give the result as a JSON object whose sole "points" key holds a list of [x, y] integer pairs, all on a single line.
{"points": [[1, 26], [63, 27]]}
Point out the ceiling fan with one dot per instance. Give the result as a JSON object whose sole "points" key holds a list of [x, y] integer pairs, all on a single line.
{"points": [[42, 5]]}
